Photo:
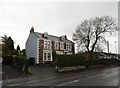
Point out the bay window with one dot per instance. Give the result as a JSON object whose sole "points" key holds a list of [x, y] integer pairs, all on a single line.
{"points": [[47, 56]]}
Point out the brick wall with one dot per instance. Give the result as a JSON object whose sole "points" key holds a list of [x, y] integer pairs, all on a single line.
{"points": [[41, 46]]}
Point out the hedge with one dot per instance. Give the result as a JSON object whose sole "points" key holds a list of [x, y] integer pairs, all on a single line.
{"points": [[69, 60], [94, 61], [78, 60], [112, 61]]}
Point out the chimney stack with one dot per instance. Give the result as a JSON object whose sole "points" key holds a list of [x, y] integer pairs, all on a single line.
{"points": [[31, 30], [65, 37]]}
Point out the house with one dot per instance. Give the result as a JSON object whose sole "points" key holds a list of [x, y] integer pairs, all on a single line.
{"points": [[41, 45]]}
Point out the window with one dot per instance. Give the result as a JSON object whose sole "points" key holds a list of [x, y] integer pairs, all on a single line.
{"points": [[61, 45], [49, 56], [46, 35], [47, 44], [56, 45], [69, 47], [45, 56]]}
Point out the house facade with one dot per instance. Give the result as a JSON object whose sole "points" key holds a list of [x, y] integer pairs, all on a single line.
{"points": [[41, 45]]}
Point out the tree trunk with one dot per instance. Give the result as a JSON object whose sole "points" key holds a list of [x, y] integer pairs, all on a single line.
{"points": [[93, 47]]}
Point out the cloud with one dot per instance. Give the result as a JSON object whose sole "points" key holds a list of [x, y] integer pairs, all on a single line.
{"points": [[57, 18]]}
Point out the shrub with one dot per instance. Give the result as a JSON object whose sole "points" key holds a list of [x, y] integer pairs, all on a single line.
{"points": [[8, 60], [69, 60], [18, 63]]}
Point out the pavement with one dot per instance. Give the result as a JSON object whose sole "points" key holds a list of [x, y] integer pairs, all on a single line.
{"points": [[46, 76]]}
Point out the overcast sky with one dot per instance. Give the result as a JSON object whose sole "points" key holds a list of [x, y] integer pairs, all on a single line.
{"points": [[56, 18]]}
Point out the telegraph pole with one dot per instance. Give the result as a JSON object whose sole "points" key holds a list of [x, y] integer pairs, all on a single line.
{"points": [[108, 49], [108, 46], [115, 47]]}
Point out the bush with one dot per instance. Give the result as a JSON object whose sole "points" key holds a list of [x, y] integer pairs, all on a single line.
{"points": [[18, 63], [69, 60], [8, 60]]}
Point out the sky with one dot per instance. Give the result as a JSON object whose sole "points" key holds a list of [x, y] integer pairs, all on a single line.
{"points": [[55, 17]]}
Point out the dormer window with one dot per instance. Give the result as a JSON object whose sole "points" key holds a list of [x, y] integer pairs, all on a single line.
{"points": [[45, 35], [63, 37]]}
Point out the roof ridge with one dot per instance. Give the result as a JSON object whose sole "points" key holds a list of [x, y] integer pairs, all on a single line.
{"points": [[51, 36]]}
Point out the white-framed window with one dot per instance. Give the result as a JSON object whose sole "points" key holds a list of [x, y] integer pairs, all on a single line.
{"points": [[47, 44], [56, 45], [69, 47], [47, 56], [61, 45]]}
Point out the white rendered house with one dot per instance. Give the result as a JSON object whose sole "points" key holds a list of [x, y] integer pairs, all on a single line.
{"points": [[41, 45]]}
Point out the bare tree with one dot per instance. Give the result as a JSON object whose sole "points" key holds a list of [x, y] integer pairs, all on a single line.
{"points": [[92, 31]]}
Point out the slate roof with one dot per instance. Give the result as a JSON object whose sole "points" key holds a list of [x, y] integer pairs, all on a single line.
{"points": [[52, 37]]}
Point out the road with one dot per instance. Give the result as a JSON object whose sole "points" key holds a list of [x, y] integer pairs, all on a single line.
{"points": [[103, 77]]}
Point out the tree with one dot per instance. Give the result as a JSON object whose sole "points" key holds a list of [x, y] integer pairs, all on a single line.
{"points": [[18, 49], [24, 51], [91, 32], [7, 46], [4, 39]]}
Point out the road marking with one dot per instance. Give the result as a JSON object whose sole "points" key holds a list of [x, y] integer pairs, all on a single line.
{"points": [[42, 80], [97, 75], [36, 80], [29, 82], [75, 80], [68, 83]]}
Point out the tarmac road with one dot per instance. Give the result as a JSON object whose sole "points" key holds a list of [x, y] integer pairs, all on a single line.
{"points": [[103, 77]]}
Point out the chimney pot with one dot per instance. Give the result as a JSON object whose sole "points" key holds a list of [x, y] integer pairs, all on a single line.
{"points": [[32, 29]]}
